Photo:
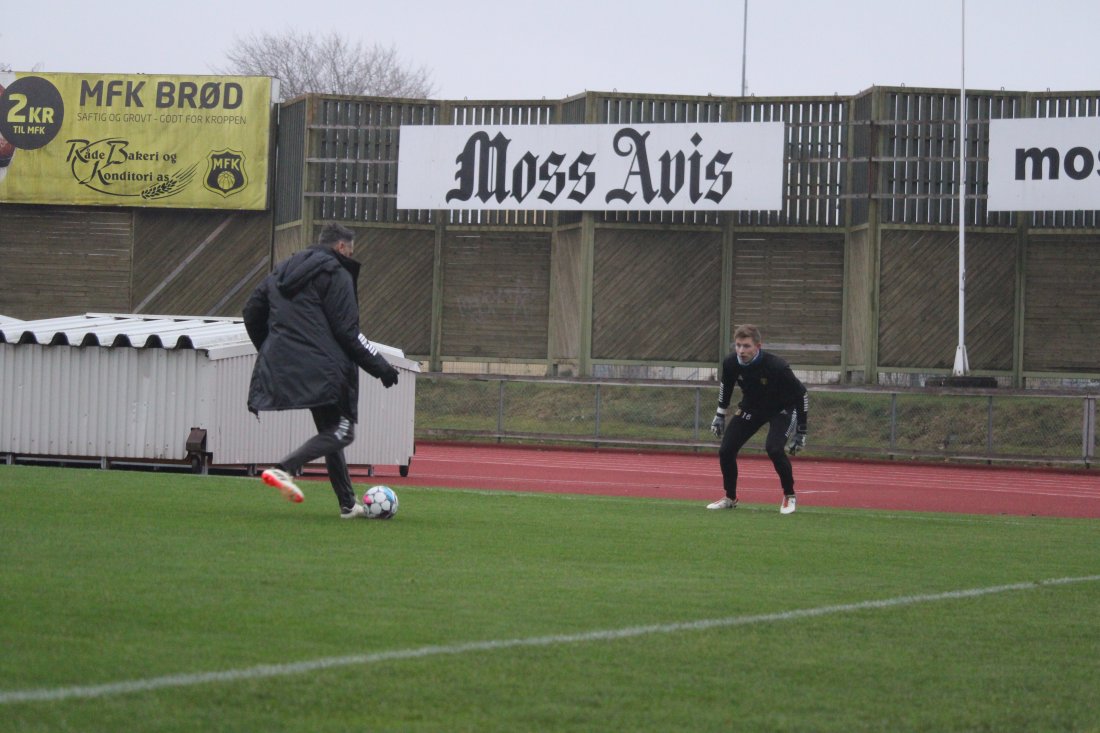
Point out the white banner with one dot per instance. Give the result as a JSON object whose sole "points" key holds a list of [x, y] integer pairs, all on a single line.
{"points": [[1046, 164], [716, 166]]}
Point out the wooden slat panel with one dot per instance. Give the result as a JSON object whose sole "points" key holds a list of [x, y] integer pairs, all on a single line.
{"points": [[857, 171], [917, 300], [395, 287], [288, 241], [990, 299], [919, 305], [58, 261], [496, 295], [919, 170], [353, 157], [290, 162], [791, 287], [858, 303], [565, 294], [656, 295], [1062, 310], [195, 262], [808, 162]]}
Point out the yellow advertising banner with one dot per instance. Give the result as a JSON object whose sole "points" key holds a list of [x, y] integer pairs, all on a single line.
{"points": [[186, 142]]}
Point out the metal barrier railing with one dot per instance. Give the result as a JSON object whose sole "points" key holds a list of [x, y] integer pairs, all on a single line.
{"points": [[990, 426]]}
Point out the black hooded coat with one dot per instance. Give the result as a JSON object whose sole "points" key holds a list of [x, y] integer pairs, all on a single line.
{"points": [[303, 320]]}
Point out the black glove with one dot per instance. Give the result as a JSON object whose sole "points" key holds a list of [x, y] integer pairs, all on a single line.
{"points": [[718, 425], [797, 442], [389, 378]]}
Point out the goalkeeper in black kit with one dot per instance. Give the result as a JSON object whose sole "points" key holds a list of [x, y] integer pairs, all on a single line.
{"points": [[770, 395]]}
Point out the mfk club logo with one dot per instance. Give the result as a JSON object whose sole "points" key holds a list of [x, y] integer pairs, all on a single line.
{"points": [[225, 173]]}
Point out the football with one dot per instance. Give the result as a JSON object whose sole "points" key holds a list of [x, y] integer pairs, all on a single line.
{"points": [[380, 502]]}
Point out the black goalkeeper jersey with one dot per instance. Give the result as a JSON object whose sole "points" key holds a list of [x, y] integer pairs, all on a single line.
{"points": [[768, 386]]}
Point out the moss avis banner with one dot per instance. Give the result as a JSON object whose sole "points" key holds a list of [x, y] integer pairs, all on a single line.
{"points": [[134, 140], [1044, 164], [663, 167]]}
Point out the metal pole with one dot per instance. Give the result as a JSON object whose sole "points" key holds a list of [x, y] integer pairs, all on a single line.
{"points": [[893, 422], [698, 394], [1088, 431], [744, 45], [597, 409], [989, 429], [962, 364]]}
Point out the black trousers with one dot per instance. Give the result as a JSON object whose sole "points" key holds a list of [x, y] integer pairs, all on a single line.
{"points": [[743, 426], [334, 433]]}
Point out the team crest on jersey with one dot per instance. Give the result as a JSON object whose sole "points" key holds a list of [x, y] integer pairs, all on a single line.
{"points": [[763, 380], [225, 172]]}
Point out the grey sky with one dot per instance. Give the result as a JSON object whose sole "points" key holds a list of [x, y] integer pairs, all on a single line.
{"points": [[522, 49]]}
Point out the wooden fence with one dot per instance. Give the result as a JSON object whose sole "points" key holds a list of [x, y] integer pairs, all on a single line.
{"points": [[853, 279]]}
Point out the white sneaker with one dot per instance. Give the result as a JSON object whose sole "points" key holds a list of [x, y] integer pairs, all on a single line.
{"points": [[282, 481], [724, 503], [788, 505], [356, 511]]}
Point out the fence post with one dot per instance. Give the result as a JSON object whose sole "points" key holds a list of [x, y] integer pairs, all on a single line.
{"points": [[893, 422], [1088, 431], [989, 429], [597, 410], [698, 394], [500, 411]]}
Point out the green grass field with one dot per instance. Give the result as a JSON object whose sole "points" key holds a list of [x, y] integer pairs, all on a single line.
{"points": [[123, 595]]}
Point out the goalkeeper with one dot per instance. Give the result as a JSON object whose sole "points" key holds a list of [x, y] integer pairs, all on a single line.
{"points": [[770, 395]]}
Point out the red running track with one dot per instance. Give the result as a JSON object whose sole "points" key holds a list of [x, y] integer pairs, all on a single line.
{"points": [[696, 477]]}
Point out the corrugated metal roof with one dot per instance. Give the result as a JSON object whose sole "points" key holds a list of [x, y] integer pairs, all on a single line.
{"points": [[220, 337], [135, 330]]}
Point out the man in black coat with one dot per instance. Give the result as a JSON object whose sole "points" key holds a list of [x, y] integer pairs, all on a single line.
{"points": [[304, 322], [770, 395]]}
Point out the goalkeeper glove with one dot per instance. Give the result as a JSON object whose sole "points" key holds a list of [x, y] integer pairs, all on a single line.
{"points": [[718, 425], [797, 442]]}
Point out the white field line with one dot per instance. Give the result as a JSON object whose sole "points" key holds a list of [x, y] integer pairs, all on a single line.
{"points": [[752, 483], [264, 671], [1062, 493]]}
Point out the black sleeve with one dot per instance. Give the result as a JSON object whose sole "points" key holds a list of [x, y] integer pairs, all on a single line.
{"points": [[796, 394], [342, 312], [255, 314], [725, 386]]}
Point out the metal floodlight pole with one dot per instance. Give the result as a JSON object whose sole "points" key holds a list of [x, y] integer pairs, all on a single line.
{"points": [[962, 364], [744, 45]]}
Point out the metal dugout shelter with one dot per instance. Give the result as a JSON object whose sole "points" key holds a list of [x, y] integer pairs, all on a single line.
{"points": [[118, 389]]}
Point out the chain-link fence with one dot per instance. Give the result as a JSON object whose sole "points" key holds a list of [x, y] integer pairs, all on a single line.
{"points": [[990, 426]]}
